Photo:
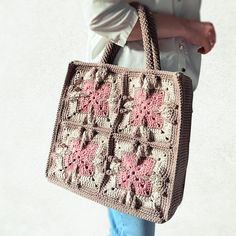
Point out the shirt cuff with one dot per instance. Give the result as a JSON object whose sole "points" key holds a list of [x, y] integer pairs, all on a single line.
{"points": [[132, 18]]}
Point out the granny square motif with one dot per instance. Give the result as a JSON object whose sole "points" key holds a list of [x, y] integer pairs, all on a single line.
{"points": [[121, 138]]}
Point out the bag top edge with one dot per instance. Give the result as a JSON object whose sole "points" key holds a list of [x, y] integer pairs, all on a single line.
{"points": [[117, 68]]}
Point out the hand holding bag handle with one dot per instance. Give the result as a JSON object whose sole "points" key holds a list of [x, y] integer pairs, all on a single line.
{"points": [[149, 36]]}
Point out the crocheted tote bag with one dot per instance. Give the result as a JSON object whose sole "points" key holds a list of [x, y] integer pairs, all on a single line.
{"points": [[121, 135]]}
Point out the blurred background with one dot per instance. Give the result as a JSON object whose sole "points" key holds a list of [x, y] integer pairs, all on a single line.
{"points": [[38, 39]]}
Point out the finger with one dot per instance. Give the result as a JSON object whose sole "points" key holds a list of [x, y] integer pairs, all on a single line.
{"points": [[201, 50], [212, 35], [212, 42], [211, 39], [207, 47]]}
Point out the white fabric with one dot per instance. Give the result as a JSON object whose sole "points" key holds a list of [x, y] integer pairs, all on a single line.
{"points": [[115, 19]]}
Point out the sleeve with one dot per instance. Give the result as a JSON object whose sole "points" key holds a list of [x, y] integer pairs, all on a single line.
{"points": [[112, 19]]}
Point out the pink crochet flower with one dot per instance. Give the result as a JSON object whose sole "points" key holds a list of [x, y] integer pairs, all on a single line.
{"points": [[144, 109], [81, 158], [131, 173], [97, 99]]}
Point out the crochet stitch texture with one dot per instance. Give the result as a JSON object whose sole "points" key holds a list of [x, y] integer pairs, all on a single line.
{"points": [[121, 136], [115, 139]]}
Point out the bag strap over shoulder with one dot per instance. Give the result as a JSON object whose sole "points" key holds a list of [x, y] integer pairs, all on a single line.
{"points": [[149, 36]]}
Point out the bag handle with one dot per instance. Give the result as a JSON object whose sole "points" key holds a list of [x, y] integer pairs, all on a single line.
{"points": [[149, 37]]}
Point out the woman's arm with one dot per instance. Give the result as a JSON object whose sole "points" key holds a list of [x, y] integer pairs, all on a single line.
{"points": [[112, 19], [118, 21], [195, 32]]}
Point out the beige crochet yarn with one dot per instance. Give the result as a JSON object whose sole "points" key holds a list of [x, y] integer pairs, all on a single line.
{"points": [[121, 136]]}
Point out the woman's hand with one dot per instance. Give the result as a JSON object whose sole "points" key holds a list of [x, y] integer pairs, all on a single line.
{"points": [[201, 34]]}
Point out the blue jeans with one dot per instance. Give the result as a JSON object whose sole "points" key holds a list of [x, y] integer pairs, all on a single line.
{"points": [[123, 224]]}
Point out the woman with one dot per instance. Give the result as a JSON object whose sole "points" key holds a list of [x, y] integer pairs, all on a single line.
{"points": [[182, 38]]}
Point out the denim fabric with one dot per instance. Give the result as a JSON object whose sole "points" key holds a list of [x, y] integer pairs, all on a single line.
{"points": [[123, 224]]}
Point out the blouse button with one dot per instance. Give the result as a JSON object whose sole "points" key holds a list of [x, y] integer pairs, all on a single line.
{"points": [[181, 46]]}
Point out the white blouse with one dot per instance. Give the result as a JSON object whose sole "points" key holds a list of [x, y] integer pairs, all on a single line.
{"points": [[115, 19]]}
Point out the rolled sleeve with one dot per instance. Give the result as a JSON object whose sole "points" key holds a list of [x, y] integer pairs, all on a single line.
{"points": [[113, 20]]}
